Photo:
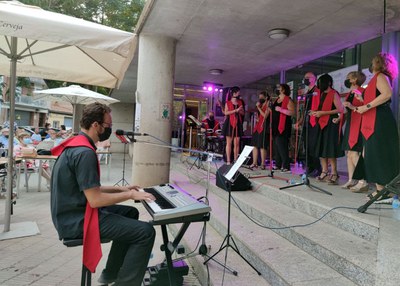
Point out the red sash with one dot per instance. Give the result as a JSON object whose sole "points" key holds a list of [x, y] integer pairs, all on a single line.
{"points": [[355, 121], [282, 117], [260, 123], [326, 106], [206, 126], [232, 117], [91, 232], [368, 118], [314, 105]]}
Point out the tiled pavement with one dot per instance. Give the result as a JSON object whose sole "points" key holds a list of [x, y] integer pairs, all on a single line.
{"points": [[42, 259]]}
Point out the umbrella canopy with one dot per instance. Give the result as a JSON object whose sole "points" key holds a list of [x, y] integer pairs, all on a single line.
{"points": [[73, 94], [60, 47], [39, 43]]}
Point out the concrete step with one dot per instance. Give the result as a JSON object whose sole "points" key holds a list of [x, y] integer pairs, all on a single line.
{"points": [[308, 200], [279, 261], [351, 255], [214, 273]]}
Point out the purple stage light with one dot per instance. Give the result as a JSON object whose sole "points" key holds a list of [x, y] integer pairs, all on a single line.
{"points": [[210, 88], [204, 87]]}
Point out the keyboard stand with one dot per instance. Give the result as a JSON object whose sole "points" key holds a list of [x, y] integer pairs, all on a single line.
{"points": [[169, 247]]}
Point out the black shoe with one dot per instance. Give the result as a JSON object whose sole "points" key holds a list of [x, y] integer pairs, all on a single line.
{"points": [[106, 278]]}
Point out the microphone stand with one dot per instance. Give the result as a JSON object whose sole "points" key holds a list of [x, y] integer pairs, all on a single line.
{"points": [[125, 141], [203, 249], [305, 180], [271, 171]]}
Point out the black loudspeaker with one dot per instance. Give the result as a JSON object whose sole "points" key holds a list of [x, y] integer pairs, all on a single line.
{"points": [[241, 183]]}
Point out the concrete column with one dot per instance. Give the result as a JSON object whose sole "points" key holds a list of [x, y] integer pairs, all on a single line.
{"points": [[391, 45], [155, 84]]}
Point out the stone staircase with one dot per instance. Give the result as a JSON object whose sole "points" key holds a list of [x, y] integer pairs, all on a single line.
{"points": [[340, 249]]}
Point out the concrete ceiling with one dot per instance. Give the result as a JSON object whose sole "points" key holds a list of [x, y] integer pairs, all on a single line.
{"points": [[232, 35]]}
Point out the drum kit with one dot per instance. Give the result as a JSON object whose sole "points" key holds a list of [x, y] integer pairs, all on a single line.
{"points": [[210, 141]]}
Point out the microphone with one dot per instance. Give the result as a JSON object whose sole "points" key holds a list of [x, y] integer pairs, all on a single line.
{"points": [[121, 132]]}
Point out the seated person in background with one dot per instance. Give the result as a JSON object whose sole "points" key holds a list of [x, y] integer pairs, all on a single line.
{"points": [[36, 137], [44, 132], [210, 124], [4, 138], [101, 147], [53, 137], [24, 148]]}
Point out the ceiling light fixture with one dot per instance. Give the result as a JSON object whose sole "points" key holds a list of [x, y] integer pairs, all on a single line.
{"points": [[278, 34], [216, 71]]}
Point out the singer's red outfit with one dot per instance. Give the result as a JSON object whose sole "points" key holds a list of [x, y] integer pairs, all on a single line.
{"points": [[328, 142], [380, 163], [260, 137], [352, 140], [233, 125], [75, 171]]}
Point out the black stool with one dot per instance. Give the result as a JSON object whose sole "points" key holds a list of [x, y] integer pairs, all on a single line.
{"points": [[86, 278]]}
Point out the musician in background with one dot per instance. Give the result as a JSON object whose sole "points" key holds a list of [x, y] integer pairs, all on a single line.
{"points": [[210, 123], [77, 196]]}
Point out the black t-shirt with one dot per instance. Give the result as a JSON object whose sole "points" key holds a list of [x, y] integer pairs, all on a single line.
{"points": [[74, 171]]}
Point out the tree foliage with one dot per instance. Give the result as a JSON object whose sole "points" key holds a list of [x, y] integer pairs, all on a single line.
{"points": [[119, 14]]}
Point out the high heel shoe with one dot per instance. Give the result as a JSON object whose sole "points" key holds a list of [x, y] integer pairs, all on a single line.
{"points": [[333, 179], [322, 177], [360, 188], [349, 184], [253, 166]]}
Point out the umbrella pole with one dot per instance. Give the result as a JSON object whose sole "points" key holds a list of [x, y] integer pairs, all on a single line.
{"points": [[74, 118], [10, 165]]}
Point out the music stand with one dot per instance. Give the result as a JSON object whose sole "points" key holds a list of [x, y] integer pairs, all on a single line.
{"points": [[228, 179], [125, 140], [305, 180], [192, 122]]}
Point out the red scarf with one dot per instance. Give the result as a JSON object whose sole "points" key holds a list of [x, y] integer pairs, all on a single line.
{"points": [[355, 121], [282, 117], [368, 118], [314, 105], [260, 123], [91, 232], [326, 106], [232, 117], [207, 126]]}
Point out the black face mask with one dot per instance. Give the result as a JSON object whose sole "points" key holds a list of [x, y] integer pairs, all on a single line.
{"points": [[261, 100], [211, 118], [306, 81], [277, 92], [370, 68], [106, 134], [6, 136], [347, 83]]}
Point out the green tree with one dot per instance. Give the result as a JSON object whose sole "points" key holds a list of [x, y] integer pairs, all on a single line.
{"points": [[119, 14]]}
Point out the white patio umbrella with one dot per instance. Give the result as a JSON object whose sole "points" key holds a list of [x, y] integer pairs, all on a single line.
{"points": [[39, 43], [73, 94]]}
